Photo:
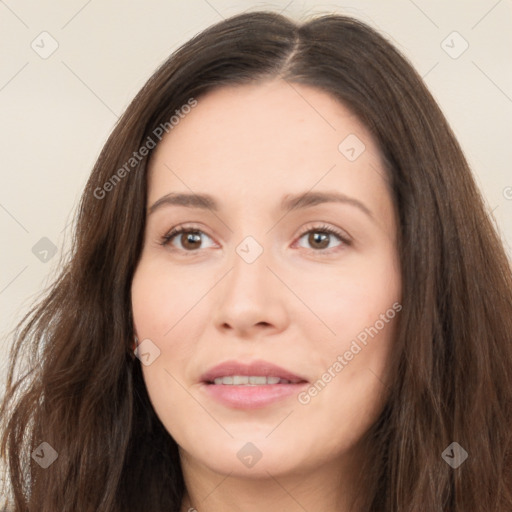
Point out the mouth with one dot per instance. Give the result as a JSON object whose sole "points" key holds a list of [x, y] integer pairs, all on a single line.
{"points": [[249, 386]]}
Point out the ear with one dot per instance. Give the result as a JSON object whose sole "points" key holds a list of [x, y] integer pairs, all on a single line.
{"points": [[135, 342]]}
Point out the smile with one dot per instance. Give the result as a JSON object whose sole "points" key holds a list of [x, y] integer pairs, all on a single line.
{"points": [[250, 385]]}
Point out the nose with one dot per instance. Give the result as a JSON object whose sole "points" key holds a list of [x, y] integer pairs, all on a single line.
{"points": [[250, 300]]}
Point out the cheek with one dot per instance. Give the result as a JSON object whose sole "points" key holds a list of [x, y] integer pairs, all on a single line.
{"points": [[167, 310], [163, 307], [361, 305], [161, 300], [348, 396], [160, 315], [348, 299]]}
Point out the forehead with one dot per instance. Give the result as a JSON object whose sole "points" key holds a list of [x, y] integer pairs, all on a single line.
{"points": [[273, 136]]}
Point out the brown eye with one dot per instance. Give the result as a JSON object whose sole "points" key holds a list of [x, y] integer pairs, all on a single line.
{"points": [[189, 239], [321, 238], [318, 240]]}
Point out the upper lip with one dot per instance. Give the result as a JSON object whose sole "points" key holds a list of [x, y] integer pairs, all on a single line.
{"points": [[254, 368]]}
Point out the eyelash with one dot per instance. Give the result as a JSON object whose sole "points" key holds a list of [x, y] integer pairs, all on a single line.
{"points": [[178, 230]]}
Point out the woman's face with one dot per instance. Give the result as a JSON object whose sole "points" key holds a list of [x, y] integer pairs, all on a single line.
{"points": [[259, 290]]}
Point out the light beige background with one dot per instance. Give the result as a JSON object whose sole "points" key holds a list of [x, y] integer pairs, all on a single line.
{"points": [[57, 112]]}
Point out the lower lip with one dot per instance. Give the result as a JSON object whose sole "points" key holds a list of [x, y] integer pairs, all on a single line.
{"points": [[252, 397]]}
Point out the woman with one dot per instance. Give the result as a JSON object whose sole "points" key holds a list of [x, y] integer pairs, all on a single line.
{"points": [[285, 293]]}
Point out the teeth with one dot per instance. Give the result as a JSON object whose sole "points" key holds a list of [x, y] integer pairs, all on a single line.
{"points": [[252, 380], [262, 380]]}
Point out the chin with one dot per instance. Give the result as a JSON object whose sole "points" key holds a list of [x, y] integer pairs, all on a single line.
{"points": [[252, 455]]}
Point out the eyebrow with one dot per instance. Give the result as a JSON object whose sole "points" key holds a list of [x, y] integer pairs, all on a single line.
{"points": [[289, 202]]}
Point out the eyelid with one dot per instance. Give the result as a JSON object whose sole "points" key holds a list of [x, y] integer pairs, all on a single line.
{"points": [[325, 227]]}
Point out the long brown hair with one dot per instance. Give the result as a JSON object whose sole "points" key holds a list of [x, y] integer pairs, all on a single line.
{"points": [[83, 392]]}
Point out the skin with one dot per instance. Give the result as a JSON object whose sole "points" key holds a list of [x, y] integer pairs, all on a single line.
{"points": [[298, 305]]}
